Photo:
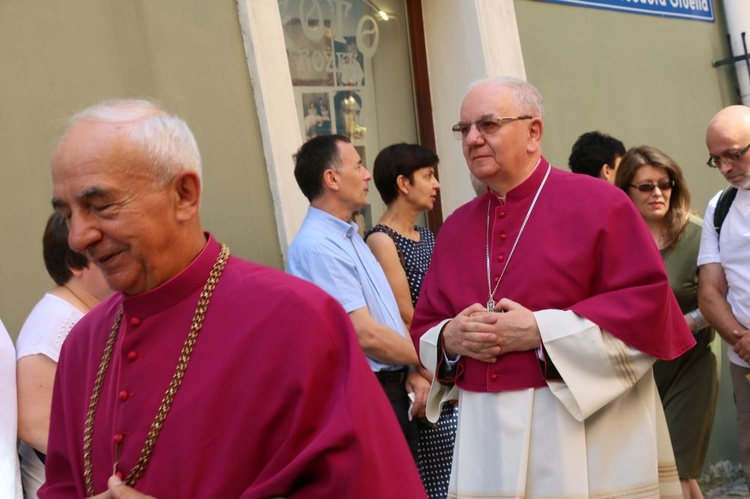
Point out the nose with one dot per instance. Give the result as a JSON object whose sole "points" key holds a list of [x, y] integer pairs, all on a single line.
{"points": [[81, 233], [367, 174], [436, 184], [724, 166], [474, 135]]}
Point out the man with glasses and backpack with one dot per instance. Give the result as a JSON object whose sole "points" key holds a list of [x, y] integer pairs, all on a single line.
{"points": [[724, 258]]}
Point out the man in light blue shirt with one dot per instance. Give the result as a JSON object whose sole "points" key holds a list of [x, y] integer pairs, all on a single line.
{"points": [[329, 252]]}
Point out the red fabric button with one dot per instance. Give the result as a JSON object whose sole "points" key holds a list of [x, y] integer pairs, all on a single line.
{"points": [[119, 474], [132, 355], [501, 258], [135, 321], [503, 236], [502, 214], [496, 279], [118, 438], [123, 395], [494, 377]]}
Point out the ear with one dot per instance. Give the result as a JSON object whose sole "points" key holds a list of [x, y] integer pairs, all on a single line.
{"points": [[186, 187], [536, 130], [606, 172], [77, 272], [330, 182], [402, 183]]}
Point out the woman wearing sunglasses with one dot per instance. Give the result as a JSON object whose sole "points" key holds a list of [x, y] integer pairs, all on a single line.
{"points": [[688, 384]]}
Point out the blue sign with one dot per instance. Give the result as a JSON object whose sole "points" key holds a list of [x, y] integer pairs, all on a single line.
{"points": [[699, 10]]}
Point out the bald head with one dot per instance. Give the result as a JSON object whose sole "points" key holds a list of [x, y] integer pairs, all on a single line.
{"points": [[731, 118], [727, 140]]}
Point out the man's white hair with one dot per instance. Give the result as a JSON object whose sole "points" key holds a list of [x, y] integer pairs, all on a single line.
{"points": [[525, 95], [163, 138]]}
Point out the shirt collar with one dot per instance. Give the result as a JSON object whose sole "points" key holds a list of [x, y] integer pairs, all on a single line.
{"points": [[345, 229]]}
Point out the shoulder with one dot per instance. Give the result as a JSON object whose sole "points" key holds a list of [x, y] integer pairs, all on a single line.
{"points": [[694, 222], [379, 229], [244, 278], [587, 198], [379, 235], [47, 326], [252, 286], [580, 184], [312, 245], [713, 201], [467, 211], [379, 240]]}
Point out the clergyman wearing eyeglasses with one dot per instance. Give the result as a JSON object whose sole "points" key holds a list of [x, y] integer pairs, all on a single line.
{"points": [[535, 317], [724, 258]]}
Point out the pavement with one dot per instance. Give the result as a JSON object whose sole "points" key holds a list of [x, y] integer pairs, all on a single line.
{"points": [[730, 490]]}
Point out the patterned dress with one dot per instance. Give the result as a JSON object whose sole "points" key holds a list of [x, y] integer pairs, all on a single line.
{"points": [[435, 451]]}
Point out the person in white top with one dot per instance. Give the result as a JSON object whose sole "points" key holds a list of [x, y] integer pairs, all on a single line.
{"points": [[79, 287], [724, 259], [10, 480]]}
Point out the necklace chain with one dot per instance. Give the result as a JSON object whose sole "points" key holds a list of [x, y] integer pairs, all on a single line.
{"points": [[166, 403], [490, 289]]}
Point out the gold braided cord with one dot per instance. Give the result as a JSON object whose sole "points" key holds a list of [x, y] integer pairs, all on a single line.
{"points": [[94, 402], [166, 403]]}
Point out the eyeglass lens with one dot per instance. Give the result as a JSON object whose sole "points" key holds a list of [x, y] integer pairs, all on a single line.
{"points": [[663, 185], [486, 126], [715, 161]]}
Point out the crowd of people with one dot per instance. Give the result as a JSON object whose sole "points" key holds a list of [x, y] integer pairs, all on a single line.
{"points": [[509, 356]]}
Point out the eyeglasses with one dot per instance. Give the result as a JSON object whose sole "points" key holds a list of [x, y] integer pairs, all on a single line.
{"points": [[727, 157], [663, 185], [488, 124]]}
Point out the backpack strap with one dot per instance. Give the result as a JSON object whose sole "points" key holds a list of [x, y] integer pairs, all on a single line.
{"points": [[722, 206]]}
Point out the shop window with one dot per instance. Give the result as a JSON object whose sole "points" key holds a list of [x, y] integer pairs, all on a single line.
{"points": [[352, 75]]}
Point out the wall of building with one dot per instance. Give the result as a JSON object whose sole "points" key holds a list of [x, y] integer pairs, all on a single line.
{"points": [[56, 58], [643, 79]]}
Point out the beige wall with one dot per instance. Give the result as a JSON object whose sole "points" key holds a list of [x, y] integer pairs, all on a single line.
{"points": [[57, 57], [643, 79]]}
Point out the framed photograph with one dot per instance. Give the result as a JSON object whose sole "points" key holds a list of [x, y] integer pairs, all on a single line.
{"points": [[317, 114], [348, 108], [349, 63], [310, 62]]}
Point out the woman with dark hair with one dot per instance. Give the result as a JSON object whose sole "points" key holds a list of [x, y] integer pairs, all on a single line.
{"points": [[79, 286], [687, 385], [404, 175]]}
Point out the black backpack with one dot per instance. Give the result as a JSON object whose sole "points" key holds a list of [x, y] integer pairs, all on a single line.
{"points": [[722, 207]]}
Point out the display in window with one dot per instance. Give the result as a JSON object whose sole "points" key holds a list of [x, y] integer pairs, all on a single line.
{"points": [[317, 114], [348, 106], [349, 63], [310, 59]]}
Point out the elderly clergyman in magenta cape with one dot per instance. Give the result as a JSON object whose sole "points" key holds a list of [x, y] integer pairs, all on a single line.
{"points": [[556, 390], [205, 375]]}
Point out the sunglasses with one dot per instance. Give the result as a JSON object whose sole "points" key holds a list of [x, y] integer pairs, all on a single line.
{"points": [[663, 185]]}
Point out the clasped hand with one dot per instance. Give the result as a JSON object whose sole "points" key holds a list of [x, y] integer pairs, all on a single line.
{"points": [[742, 347], [485, 336]]}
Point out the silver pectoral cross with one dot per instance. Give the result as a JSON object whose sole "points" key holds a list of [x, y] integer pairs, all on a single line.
{"points": [[491, 307]]}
